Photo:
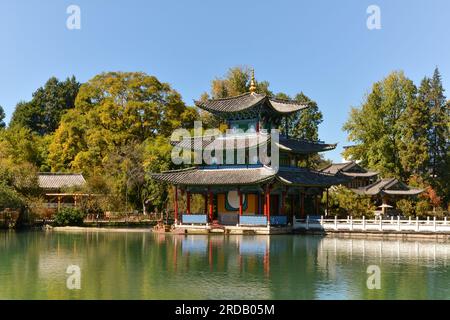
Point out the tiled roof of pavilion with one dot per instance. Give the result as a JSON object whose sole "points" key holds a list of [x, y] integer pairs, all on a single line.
{"points": [[50, 180], [247, 176], [350, 169], [390, 186], [248, 101], [297, 146]]}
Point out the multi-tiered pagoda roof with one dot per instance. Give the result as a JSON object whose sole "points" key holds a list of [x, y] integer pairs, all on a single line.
{"points": [[251, 193]]}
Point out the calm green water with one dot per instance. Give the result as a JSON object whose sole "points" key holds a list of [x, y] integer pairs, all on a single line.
{"points": [[134, 265]]}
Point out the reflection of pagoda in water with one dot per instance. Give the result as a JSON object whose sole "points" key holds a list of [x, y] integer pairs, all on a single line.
{"points": [[249, 197]]}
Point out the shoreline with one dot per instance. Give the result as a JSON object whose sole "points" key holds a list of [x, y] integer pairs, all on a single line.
{"points": [[98, 229], [440, 237]]}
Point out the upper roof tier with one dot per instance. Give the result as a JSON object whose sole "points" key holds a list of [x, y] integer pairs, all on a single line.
{"points": [[250, 101]]}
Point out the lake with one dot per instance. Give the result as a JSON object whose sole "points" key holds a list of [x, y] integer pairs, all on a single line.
{"points": [[144, 265]]}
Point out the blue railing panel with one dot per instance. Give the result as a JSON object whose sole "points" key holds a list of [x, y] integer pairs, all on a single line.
{"points": [[253, 220], [229, 219], [194, 218], [278, 220]]}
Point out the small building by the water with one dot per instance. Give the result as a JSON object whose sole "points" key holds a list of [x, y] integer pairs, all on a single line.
{"points": [[358, 176], [61, 189], [384, 192]]}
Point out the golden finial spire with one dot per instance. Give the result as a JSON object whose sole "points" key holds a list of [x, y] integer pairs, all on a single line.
{"points": [[253, 82]]}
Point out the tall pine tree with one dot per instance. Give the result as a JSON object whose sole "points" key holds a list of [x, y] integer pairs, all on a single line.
{"points": [[438, 136]]}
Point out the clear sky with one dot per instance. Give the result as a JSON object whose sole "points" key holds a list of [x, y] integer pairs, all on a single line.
{"points": [[322, 48]]}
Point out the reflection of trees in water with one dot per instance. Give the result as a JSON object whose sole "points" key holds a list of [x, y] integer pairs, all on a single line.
{"points": [[409, 269], [159, 266]]}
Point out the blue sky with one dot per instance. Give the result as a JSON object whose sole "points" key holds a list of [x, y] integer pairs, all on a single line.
{"points": [[322, 48]]}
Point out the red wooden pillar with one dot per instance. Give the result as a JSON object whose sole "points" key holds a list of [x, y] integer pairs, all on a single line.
{"points": [[188, 202], [268, 204], [211, 205], [240, 202], [175, 204], [264, 203]]}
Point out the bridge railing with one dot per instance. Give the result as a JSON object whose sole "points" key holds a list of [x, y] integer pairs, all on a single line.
{"points": [[393, 224]]}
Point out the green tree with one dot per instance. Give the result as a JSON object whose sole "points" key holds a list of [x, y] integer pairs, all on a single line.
{"points": [[19, 145], [439, 136], [305, 124], [157, 158], [414, 124], [43, 113], [406, 207], [344, 202], [112, 110], [236, 82], [376, 127], [9, 198]]}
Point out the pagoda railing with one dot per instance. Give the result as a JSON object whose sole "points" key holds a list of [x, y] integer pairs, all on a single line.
{"points": [[194, 219], [253, 220]]}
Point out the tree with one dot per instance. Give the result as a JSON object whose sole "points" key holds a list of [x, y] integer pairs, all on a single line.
{"points": [[414, 124], [344, 202], [112, 110], [376, 127], [438, 136], [19, 145], [305, 124], [9, 198], [43, 113], [406, 207], [2, 118], [236, 82], [157, 158]]}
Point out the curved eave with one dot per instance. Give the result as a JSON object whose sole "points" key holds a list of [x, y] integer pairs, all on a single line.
{"points": [[303, 146], [313, 148], [286, 106], [249, 102], [411, 192]]}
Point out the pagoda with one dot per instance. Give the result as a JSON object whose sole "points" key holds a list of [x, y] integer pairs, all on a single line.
{"points": [[252, 197]]}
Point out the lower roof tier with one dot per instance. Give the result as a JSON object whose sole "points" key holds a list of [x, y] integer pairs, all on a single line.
{"points": [[248, 176]]}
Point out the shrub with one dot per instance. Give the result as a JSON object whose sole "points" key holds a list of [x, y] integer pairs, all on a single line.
{"points": [[69, 217], [345, 202], [422, 208], [406, 207], [9, 198]]}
